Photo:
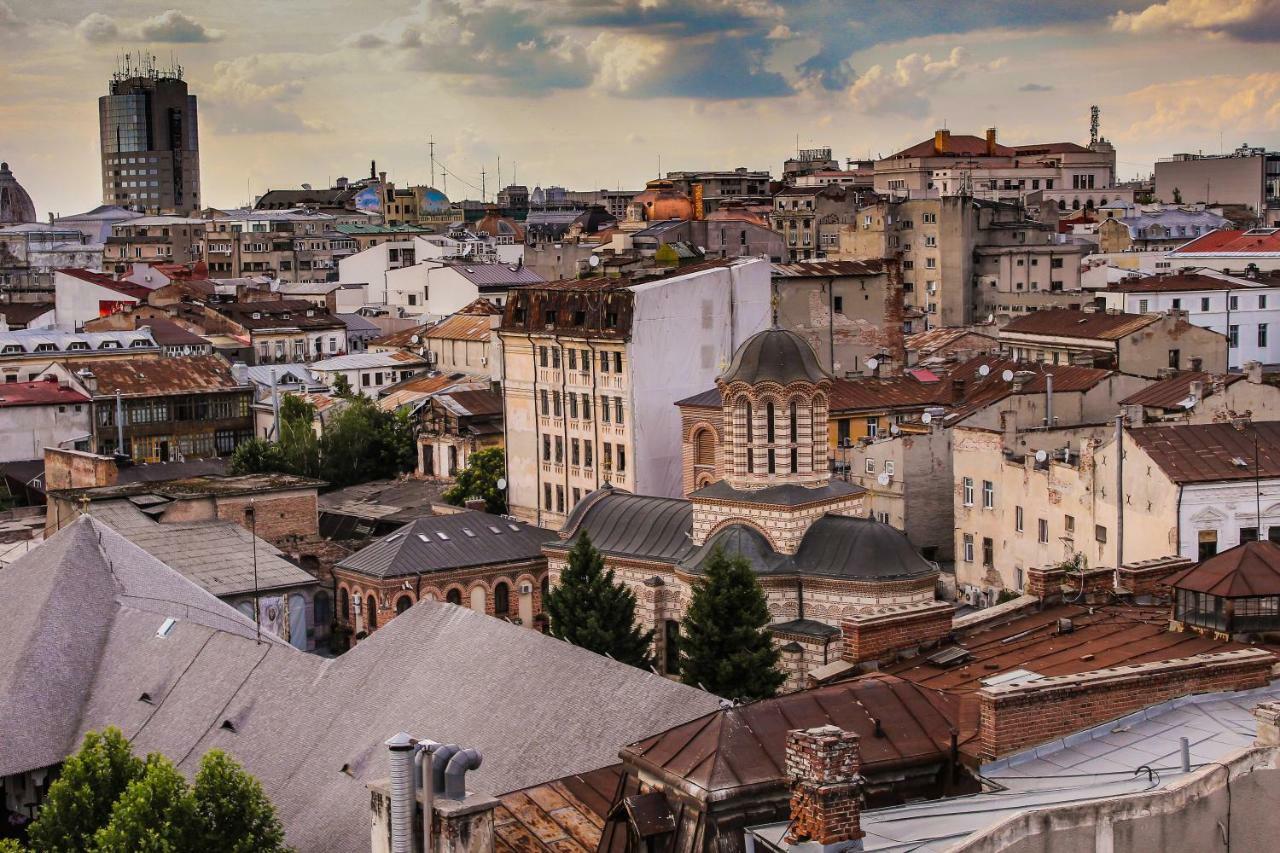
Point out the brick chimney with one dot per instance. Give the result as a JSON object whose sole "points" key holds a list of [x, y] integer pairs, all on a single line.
{"points": [[991, 142], [477, 504], [941, 141], [822, 769]]}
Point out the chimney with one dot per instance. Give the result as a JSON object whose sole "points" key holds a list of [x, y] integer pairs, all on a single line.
{"points": [[1253, 372], [1135, 414], [240, 372], [88, 380], [941, 141], [429, 779], [991, 142], [957, 390], [475, 504], [1196, 389], [822, 769], [1021, 378]]}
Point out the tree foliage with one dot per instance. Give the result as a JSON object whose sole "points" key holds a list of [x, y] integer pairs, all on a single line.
{"points": [[256, 456], [725, 646], [106, 800], [480, 480], [590, 609]]}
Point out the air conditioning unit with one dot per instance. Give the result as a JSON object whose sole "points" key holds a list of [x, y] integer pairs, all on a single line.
{"points": [[484, 360], [431, 356], [526, 588]]}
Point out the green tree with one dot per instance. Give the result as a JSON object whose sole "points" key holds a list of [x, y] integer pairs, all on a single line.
{"points": [[1177, 196], [362, 443], [256, 456], [725, 646], [589, 609], [666, 255], [297, 441], [155, 814], [341, 386], [480, 480], [233, 813], [80, 801]]}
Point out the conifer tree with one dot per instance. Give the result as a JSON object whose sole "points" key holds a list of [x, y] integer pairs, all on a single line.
{"points": [[725, 647], [590, 609]]}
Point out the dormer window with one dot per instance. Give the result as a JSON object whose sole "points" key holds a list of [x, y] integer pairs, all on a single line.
{"points": [[139, 342], [256, 315], [109, 345], [46, 348], [77, 345]]}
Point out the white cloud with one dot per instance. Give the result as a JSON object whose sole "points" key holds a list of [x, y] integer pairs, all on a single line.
{"points": [[1249, 20], [907, 87], [257, 94], [9, 21], [171, 27], [621, 59], [1248, 103]]}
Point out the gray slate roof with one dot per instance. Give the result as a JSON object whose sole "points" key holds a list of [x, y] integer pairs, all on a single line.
{"points": [[639, 526], [848, 547], [444, 542], [787, 494], [81, 615], [775, 355]]}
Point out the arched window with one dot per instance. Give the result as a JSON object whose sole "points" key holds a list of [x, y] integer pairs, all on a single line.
{"points": [[704, 447], [501, 599], [795, 423], [546, 589], [795, 460], [768, 416], [403, 603], [371, 613], [772, 462], [344, 604], [1075, 204], [751, 427], [454, 596], [1062, 204], [321, 611]]}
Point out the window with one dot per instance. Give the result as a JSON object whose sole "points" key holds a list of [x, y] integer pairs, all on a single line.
{"points": [[574, 457], [545, 399], [871, 466], [988, 495], [1233, 336], [371, 613], [837, 303], [1177, 304], [617, 410], [1262, 301], [542, 356], [1099, 533], [888, 467], [1017, 519], [622, 458], [586, 406], [586, 453], [546, 448], [1208, 544], [573, 359], [604, 410], [968, 491], [559, 498], [842, 431], [1262, 334], [454, 596], [1144, 305], [403, 603], [1248, 534], [617, 361], [608, 456], [573, 403], [501, 599], [559, 449], [988, 552], [968, 547], [873, 427], [1235, 303], [1204, 303], [1175, 358], [1042, 530], [555, 357]]}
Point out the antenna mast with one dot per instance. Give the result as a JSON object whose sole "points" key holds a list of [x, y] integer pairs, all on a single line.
{"points": [[431, 148], [484, 196]]}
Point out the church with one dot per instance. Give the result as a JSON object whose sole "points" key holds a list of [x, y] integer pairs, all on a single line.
{"points": [[755, 456]]}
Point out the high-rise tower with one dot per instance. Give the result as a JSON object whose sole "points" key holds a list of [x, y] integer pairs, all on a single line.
{"points": [[150, 139]]}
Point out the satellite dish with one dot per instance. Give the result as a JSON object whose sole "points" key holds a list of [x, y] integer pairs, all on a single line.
{"points": [[502, 484], [1007, 376], [873, 363], [894, 429], [883, 479], [593, 261], [926, 418], [415, 339], [984, 370], [1041, 456]]}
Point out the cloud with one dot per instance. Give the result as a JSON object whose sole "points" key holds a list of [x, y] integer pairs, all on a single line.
{"points": [[9, 21], [905, 88], [1035, 87], [171, 27], [1246, 20], [97, 28], [257, 94], [1240, 104]]}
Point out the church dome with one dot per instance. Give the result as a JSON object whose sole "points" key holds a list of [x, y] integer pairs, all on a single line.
{"points": [[661, 200], [434, 202], [15, 205], [775, 355]]}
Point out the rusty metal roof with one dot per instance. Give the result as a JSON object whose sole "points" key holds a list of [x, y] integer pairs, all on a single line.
{"points": [[159, 375], [1173, 393], [1246, 570], [746, 745], [1177, 283], [1207, 453], [460, 327], [851, 395], [565, 815], [1066, 323], [932, 340]]}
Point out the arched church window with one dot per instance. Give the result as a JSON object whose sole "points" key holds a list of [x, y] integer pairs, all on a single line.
{"points": [[795, 425], [768, 415]]}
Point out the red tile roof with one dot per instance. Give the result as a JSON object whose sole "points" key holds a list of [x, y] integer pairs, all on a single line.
{"points": [[1066, 323], [1170, 393], [1245, 570], [883, 393], [1208, 453], [44, 392], [1176, 283], [1256, 241], [958, 145], [125, 288]]}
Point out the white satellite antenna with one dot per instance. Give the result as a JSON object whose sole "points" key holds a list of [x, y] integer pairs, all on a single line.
{"points": [[502, 484], [1041, 456], [883, 479], [984, 370], [926, 418], [873, 363], [413, 339], [1007, 376], [894, 429], [593, 261]]}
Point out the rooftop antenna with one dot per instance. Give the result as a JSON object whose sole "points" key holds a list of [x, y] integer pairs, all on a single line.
{"points": [[431, 149], [499, 171], [483, 195], [1093, 124]]}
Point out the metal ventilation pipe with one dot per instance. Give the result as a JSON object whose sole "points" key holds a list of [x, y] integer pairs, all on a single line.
{"points": [[1048, 400], [439, 763], [422, 764], [401, 747], [456, 774]]}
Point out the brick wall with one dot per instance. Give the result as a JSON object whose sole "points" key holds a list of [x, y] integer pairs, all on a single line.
{"points": [[822, 767], [879, 636], [1053, 582], [1146, 578], [74, 469], [280, 516], [1013, 717]]}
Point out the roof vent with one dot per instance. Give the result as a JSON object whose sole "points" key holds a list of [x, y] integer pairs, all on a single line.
{"points": [[467, 530], [1238, 462], [229, 726], [146, 697], [949, 657], [166, 627], [495, 529], [444, 536], [1013, 676], [1066, 626], [424, 537], [514, 527]]}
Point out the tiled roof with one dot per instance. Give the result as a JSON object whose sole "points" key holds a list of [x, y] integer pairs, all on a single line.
{"points": [[277, 313], [1066, 323], [460, 327], [1173, 393], [169, 334], [1177, 283], [81, 616], [473, 403], [934, 339], [497, 275], [1237, 243], [447, 542], [152, 374], [41, 393], [1246, 570], [958, 145], [881, 393], [1207, 453], [124, 288]]}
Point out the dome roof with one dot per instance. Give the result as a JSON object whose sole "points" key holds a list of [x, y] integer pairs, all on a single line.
{"points": [[434, 201], [775, 355], [661, 200], [15, 205]]}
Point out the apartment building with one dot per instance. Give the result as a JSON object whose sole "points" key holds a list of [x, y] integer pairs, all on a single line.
{"points": [[1140, 344], [709, 189], [591, 370], [810, 219], [368, 373], [1157, 230], [30, 254], [288, 245], [1247, 176], [1245, 310], [153, 240]]}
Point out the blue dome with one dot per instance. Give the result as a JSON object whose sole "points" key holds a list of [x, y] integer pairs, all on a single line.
{"points": [[434, 201]]}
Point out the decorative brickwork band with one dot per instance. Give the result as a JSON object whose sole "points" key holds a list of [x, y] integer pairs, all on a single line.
{"points": [[822, 768], [881, 636]]}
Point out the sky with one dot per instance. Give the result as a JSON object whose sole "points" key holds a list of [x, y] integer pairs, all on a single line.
{"points": [[602, 93]]}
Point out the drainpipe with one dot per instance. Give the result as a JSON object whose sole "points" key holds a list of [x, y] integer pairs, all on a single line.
{"points": [[595, 417], [1120, 491], [1048, 400], [119, 422]]}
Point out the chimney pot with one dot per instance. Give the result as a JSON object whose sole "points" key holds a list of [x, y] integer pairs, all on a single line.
{"points": [[991, 142], [823, 766], [941, 141]]}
